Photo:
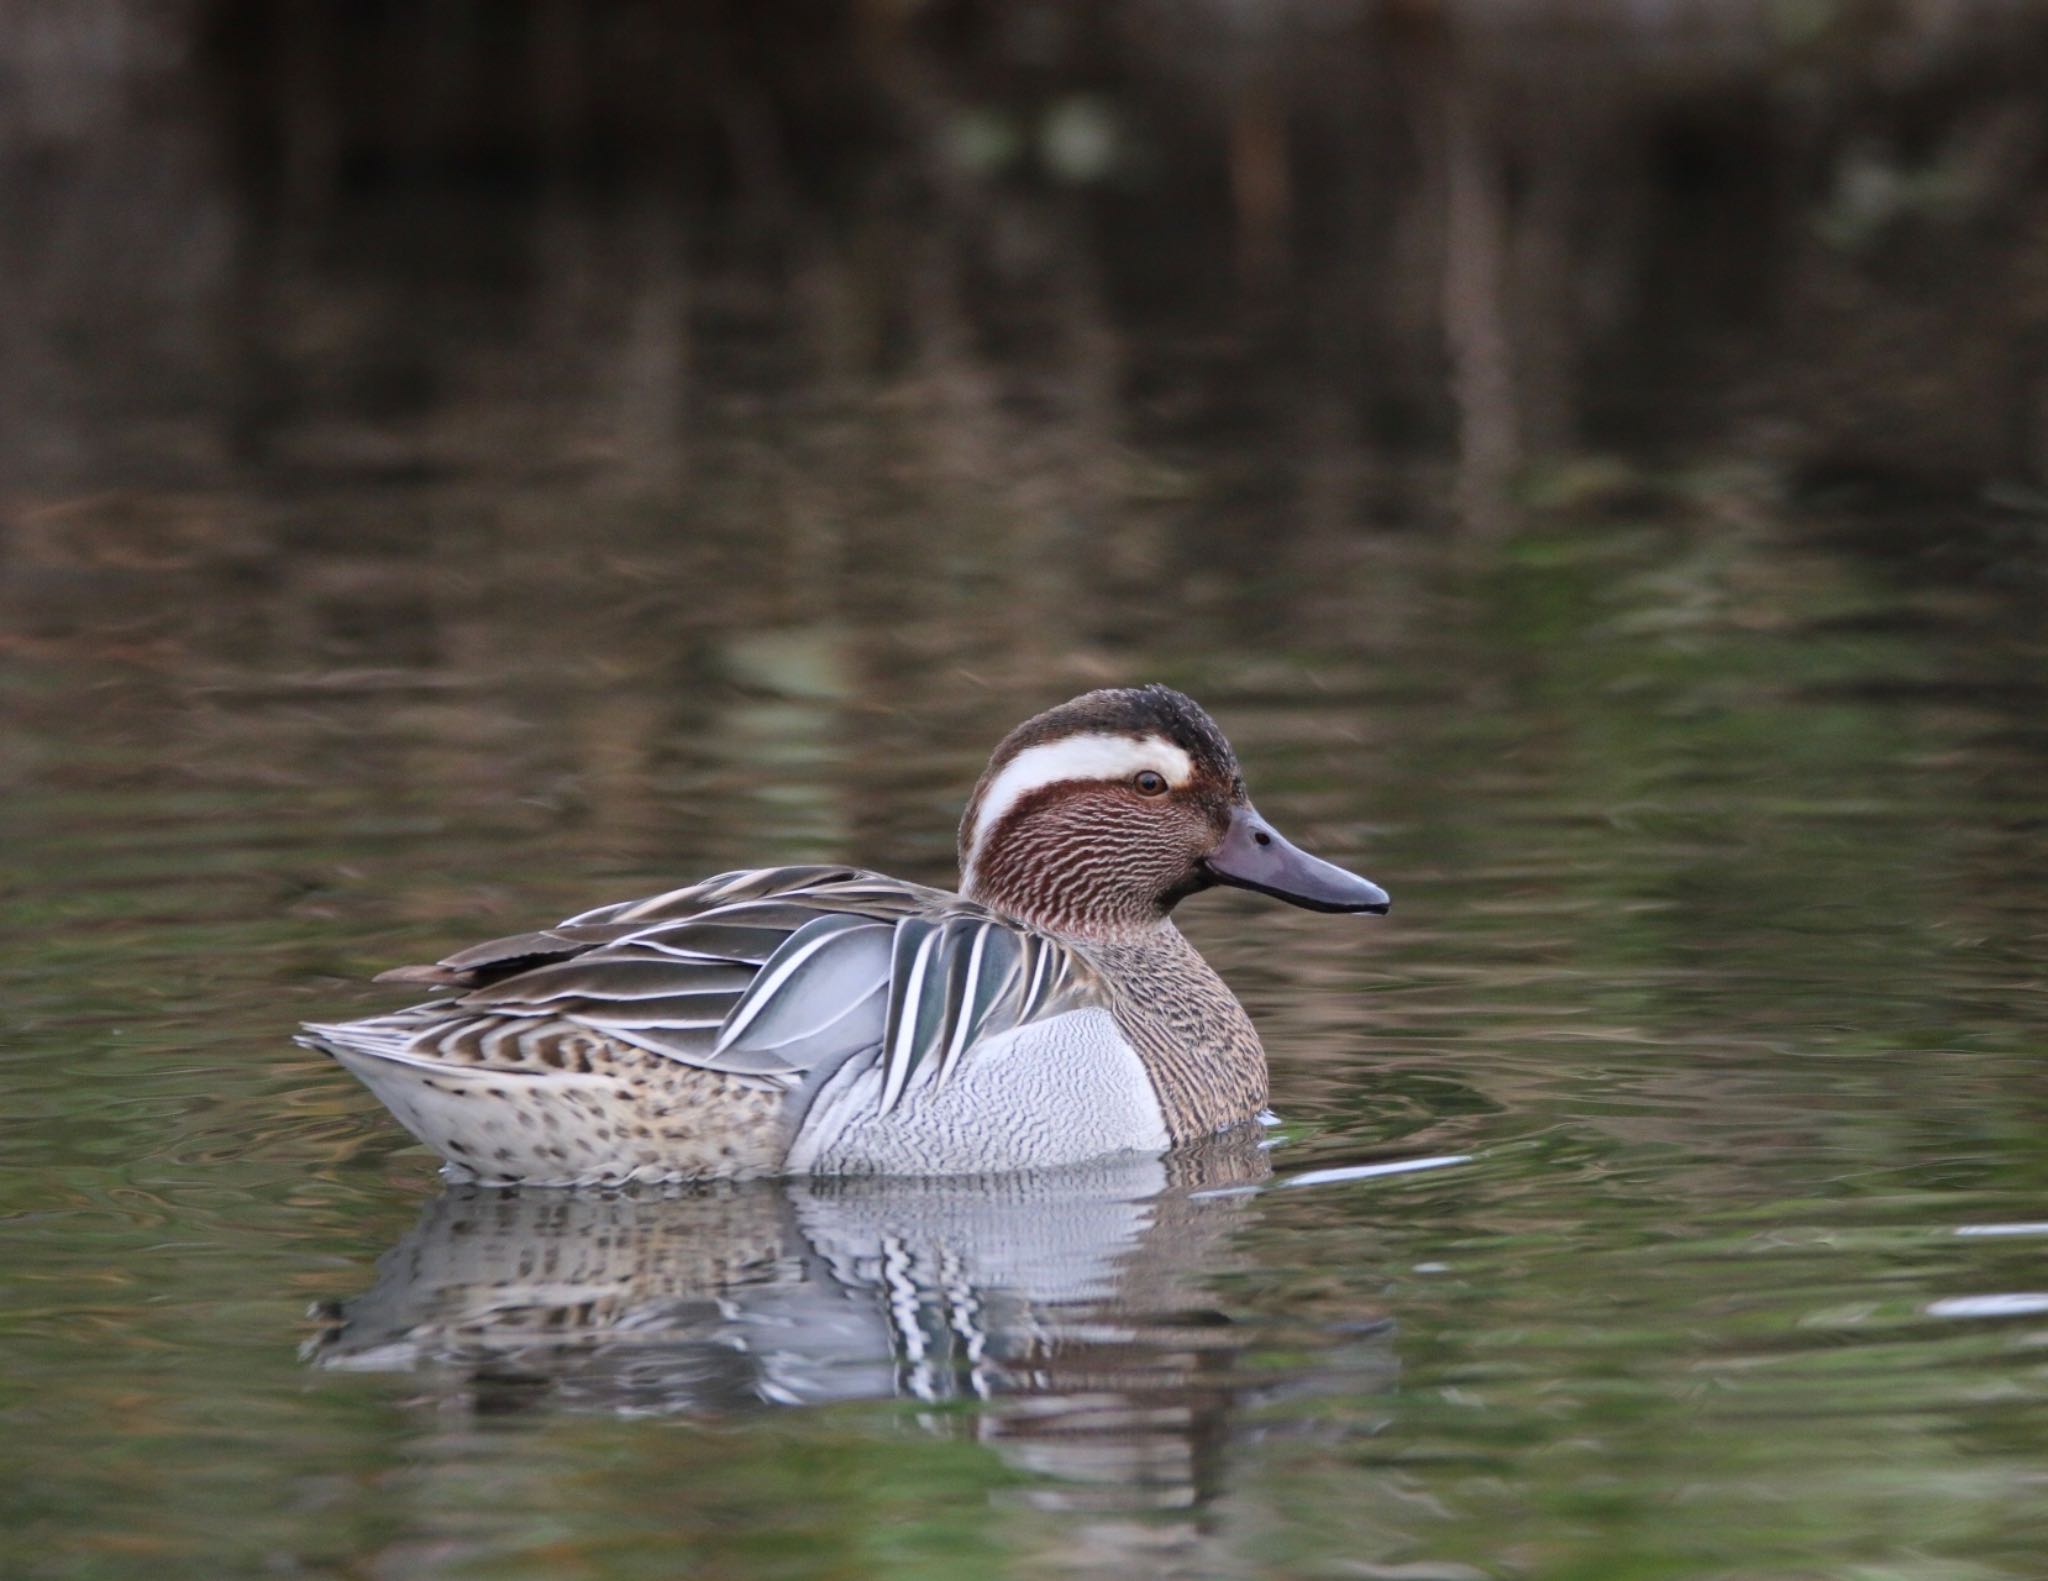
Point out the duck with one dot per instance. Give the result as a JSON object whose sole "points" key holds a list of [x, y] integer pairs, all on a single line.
{"points": [[829, 1020]]}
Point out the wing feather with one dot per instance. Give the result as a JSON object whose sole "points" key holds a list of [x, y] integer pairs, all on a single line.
{"points": [[823, 966], [609, 977], [772, 973], [985, 971], [908, 987]]}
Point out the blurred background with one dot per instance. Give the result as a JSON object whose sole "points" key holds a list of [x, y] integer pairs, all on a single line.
{"points": [[1301, 272], [469, 460], [511, 350], [1093, 311]]}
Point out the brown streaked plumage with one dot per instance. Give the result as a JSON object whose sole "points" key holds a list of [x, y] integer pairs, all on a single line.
{"points": [[833, 1020]]}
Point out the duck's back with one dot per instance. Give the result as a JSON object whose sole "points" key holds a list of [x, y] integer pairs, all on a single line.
{"points": [[779, 1019]]}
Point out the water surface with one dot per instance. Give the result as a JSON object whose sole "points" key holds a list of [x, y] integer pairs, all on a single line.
{"points": [[1717, 957]]}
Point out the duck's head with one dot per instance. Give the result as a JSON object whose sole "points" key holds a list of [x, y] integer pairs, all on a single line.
{"points": [[1100, 815]]}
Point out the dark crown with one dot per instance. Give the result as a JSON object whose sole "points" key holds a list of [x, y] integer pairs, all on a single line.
{"points": [[1131, 711]]}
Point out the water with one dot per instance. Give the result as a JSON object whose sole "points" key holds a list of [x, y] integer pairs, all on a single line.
{"points": [[1713, 987], [1660, 1192]]}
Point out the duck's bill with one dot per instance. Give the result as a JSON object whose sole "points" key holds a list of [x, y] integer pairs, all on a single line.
{"points": [[1254, 856]]}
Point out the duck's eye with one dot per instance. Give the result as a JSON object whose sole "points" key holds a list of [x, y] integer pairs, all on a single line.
{"points": [[1148, 783]]}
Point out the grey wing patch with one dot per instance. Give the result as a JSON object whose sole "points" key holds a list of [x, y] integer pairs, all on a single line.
{"points": [[822, 993], [953, 983]]}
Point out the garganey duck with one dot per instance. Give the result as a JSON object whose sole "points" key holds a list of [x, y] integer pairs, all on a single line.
{"points": [[828, 1020]]}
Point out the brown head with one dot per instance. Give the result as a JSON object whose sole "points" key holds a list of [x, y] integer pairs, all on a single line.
{"points": [[1099, 816]]}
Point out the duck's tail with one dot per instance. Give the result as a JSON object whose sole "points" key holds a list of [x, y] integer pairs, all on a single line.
{"points": [[622, 1115]]}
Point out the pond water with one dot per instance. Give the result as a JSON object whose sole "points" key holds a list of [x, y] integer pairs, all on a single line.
{"points": [[1713, 993], [1661, 1191]]}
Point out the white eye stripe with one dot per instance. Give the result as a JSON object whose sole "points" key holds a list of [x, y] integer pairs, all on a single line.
{"points": [[1082, 757]]}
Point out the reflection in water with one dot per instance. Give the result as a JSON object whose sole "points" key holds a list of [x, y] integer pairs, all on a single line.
{"points": [[1071, 1301]]}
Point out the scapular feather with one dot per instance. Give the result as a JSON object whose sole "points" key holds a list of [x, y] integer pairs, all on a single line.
{"points": [[609, 977], [908, 990], [823, 970], [772, 974]]}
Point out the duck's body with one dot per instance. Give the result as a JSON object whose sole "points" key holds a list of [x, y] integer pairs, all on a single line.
{"points": [[804, 1019], [829, 1020]]}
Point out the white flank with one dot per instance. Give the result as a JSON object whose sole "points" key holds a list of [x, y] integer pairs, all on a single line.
{"points": [[1093, 756]]}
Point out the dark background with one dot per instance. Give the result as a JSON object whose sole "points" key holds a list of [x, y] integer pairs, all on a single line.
{"points": [[1388, 246]]}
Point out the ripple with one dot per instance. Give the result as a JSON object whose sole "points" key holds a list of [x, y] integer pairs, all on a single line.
{"points": [[2011, 1304]]}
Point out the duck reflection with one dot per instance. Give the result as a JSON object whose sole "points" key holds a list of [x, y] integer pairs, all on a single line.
{"points": [[1071, 1301]]}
